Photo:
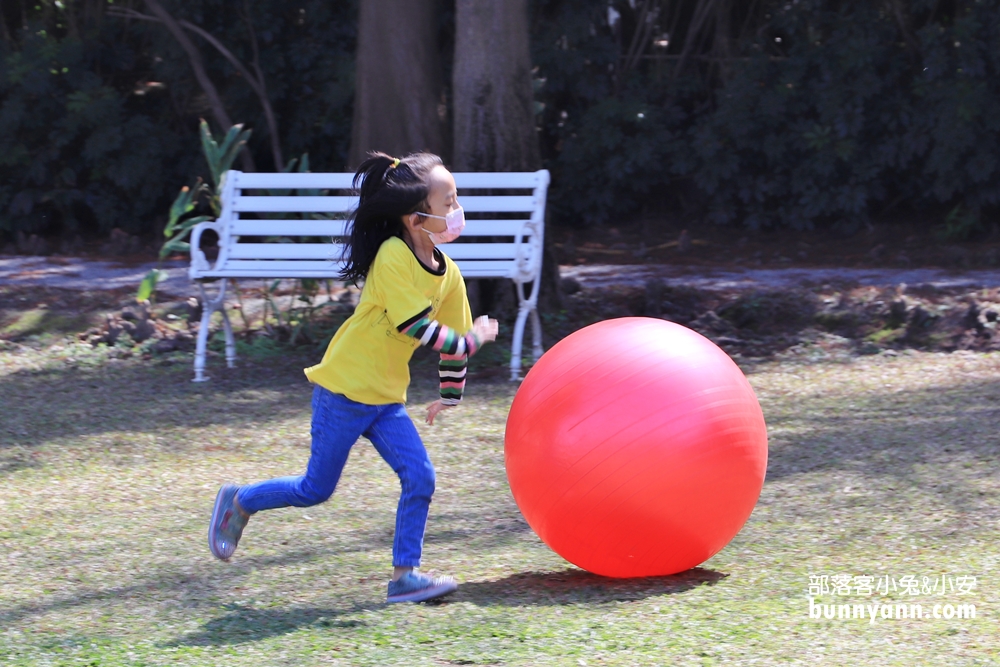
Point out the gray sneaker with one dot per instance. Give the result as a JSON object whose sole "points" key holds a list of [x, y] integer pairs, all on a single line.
{"points": [[415, 587], [227, 525]]}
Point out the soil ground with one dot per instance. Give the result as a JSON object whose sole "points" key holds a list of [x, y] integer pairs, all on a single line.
{"points": [[756, 294], [878, 246]]}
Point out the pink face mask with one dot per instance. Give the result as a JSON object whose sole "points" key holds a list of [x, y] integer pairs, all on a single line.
{"points": [[454, 224]]}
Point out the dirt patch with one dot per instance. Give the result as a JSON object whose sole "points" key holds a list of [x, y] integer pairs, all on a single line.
{"points": [[749, 318], [883, 245], [762, 323]]}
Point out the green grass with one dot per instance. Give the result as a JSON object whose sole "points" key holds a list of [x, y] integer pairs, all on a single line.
{"points": [[35, 321], [108, 467]]}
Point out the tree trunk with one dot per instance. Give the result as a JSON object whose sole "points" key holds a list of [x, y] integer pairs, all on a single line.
{"points": [[493, 99], [494, 126], [398, 85]]}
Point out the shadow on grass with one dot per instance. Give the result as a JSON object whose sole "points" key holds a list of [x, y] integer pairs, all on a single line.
{"points": [[886, 434], [572, 586], [132, 396], [245, 624], [215, 579]]}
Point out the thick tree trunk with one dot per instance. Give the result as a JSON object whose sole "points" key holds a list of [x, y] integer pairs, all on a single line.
{"points": [[494, 126], [399, 86]]}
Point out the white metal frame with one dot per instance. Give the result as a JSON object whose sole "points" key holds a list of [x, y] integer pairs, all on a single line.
{"points": [[520, 261]]}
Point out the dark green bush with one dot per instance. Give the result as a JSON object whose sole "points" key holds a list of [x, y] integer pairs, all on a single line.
{"points": [[800, 113], [99, 115], [75, 149], [829, 114]]}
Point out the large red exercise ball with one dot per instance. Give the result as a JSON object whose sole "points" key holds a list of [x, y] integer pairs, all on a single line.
{"points": [[635, 447]]}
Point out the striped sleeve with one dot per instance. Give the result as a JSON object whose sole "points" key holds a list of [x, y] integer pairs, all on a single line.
{"points": [[438, 337], [451, 370]]}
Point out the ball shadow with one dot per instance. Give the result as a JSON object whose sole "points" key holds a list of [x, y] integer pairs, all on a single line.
{"points": [[572, 586]]}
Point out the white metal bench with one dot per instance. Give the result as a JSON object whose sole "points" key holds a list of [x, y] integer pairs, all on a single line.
{"points": [[502, 239]]}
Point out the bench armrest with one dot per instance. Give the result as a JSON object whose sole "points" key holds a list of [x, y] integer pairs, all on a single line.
{"points": [[199, 262], [528, 263]]}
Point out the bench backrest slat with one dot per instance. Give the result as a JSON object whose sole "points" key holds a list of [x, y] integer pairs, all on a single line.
{"points": [[289, 204], [342, 180], [341, 204], [324, 228]]}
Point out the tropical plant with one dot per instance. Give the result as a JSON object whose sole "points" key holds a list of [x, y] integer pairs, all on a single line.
{"points": [[220, 157]]}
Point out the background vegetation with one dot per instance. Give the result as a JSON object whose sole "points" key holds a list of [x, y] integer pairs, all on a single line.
{"points": [[766, 113]]}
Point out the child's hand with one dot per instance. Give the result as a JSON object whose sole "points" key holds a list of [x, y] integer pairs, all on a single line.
{"points": [[434, 408], [486, 328]]}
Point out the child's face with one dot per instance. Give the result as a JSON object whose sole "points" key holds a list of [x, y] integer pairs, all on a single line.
{"points": [[442, 198]]}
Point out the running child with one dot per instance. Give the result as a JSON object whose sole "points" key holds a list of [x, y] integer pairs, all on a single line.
{"points": [[413, 295]]}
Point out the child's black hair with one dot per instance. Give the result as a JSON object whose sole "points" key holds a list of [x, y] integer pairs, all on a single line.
{"points": [[388, 189]]}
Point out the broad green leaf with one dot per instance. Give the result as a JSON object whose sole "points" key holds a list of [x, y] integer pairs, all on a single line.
{"points": [[175, 245], [149, 283], [233, 143], [211, 150], [185, 202]]}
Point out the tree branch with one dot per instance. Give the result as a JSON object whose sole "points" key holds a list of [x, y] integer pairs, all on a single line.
{"points": [[902, 21], [272, 124], [255, 82], [194, 57], [640, 19], [650, 13], [702, 11]]}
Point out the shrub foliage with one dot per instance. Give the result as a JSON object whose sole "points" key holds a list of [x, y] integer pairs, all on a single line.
{"points": [[768, 113]]}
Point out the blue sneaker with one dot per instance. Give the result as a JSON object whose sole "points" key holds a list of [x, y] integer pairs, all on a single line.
{"points": [[228, 522], [415, 587]]}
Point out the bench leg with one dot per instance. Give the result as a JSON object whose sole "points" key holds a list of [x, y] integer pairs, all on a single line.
{"points": [[209, 306], [515, 350], [200, 348], [536, 335], [227, 328]]}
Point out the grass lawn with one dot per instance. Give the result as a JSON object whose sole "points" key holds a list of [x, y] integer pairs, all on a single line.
{"points": [[879, 466]]}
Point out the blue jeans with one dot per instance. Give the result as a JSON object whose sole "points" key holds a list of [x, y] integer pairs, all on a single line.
{"points": [[337, 422]]}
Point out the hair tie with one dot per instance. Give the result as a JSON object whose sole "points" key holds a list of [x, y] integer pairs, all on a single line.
{"points": [[395, 163]]}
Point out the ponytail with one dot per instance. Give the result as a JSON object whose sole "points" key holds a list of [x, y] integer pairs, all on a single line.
{"points": [[388, 188]]}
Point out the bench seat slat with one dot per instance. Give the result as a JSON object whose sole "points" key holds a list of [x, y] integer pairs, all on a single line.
{"points": [[322, 251], [486, 268], [315, 268], [342, 204], [338, 227], [268, 274], [250, 268], [462, 252], [332, 251]]}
